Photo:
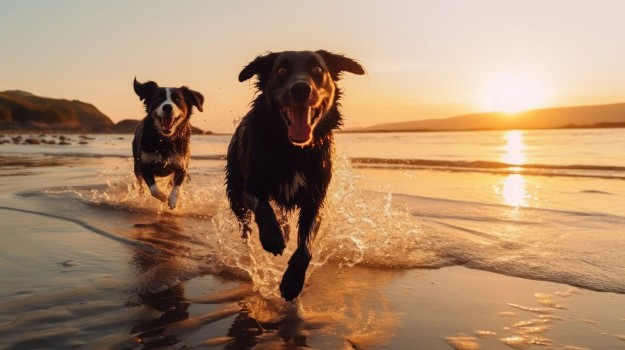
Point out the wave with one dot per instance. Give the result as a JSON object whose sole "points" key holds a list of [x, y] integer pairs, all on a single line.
{"points": [[573, 170], [576, 170], [22, 158], [366, 228]]}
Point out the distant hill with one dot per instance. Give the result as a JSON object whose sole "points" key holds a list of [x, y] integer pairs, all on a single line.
{"points": [[20, 110], [23, 111], [612, 115]]}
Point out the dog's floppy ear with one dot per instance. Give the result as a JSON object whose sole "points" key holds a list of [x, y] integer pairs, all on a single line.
{"points": [[338, 64], [193, 98], [144, 90], [261, 65]]}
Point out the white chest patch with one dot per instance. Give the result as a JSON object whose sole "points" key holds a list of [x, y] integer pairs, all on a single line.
{"points": [[151, 157], [156, 158], [289, 190]]}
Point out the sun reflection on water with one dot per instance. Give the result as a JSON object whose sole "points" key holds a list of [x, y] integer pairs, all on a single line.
{"points": [[514, 148], [513, 190]]}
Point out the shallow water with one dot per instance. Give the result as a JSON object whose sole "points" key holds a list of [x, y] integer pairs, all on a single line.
{"points": [[89, 261]]}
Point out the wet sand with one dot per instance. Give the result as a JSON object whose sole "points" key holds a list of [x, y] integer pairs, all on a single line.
{"points": [[67, 285]]}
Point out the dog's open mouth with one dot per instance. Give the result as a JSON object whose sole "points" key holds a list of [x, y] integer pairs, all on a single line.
{"points": [[167, 124], [300, 121]]}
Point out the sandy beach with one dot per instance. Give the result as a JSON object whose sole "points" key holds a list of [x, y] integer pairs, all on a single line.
{"points": [[476, 151], [410, 258]]}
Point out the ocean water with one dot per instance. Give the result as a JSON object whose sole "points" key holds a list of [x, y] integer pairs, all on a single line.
{"points": [[543, 205], [516, 202]]}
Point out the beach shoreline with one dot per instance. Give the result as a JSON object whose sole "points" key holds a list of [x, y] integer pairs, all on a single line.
{"points": [[452, 307], [90, 263]]}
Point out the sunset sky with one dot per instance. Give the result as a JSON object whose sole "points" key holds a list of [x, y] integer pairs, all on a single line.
{"points": [[424, 59]]}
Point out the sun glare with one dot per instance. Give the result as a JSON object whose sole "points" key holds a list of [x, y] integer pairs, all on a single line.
{"points": [[513, 191], [513, 94], [514, 150], [513, 188]]}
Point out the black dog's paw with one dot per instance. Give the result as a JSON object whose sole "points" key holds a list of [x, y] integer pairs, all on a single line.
{"points": [[292, 283], [269, 231], [294, 276], [271, 238]]}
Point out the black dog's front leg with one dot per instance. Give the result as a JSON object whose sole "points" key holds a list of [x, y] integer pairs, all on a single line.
{"points": [[294, 276], [269, 231], [179, 176], [148, 177]]}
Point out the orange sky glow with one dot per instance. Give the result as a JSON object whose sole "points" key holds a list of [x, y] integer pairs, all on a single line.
{"points": [[424, 59]]}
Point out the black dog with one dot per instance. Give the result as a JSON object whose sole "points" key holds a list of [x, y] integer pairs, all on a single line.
{"points": [[282, 149], [161, 143]]}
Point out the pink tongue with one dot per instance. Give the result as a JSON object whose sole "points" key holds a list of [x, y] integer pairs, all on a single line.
{"points": [[300, 129]]}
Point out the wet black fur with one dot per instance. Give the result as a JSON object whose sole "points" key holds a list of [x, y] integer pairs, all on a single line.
{"points": [[261, 159], [148, 139]]}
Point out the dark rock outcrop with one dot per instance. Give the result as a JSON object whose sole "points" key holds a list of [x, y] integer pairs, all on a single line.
{"points": [[21, 110]]}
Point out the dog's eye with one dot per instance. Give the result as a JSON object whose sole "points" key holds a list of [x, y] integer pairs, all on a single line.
{"points": [[281, 71], [176, 98], [317, 70]]}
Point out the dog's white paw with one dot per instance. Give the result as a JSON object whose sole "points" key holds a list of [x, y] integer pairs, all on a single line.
{"points": [[156, 193], [173, 197]]}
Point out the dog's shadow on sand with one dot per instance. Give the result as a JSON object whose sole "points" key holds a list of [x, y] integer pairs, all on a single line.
{"points": [[246, 331], [172, 312], [170, 317], [158, 288]]}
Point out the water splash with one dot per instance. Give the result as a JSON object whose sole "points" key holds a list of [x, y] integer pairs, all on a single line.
{"points": [[200, 195], [361, 227], [380, 229], [357, 227]]}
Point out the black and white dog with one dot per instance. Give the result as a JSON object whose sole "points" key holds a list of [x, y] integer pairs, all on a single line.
{"points": [[282, 149], [161, 143]]}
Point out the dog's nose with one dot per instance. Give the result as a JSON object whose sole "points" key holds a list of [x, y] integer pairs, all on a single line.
{"points": [[300, 91], [167, 108]]}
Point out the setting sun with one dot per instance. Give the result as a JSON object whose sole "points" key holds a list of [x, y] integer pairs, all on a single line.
{"points": [[512, 94]]}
